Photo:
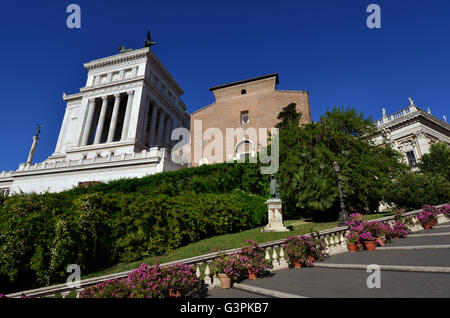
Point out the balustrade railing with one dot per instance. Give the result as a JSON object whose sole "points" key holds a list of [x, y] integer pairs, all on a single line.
{"points": [[71, 163], [274, 253]]}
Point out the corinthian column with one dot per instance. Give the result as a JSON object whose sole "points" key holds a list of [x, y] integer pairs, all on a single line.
{"points": [[88, 125], [101, 121], [115, 114], [126, 121]]}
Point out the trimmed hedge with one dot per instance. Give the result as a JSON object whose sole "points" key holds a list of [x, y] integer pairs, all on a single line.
{"points": [[217, 178], [41, 234]]}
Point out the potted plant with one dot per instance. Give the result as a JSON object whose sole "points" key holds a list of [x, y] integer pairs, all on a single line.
{"points": [[400, 230], [445, 210], [427, 219], [229, 268], [352, 239], [252, 256], [368, 240], [378, 230], [295, 251], [181, 280]]}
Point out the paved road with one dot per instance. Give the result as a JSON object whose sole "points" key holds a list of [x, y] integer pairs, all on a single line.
{"points": [[342, 282]]}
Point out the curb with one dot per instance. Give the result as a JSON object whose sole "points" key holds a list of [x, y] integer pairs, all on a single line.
{"points": [[419, 247], [265, 292], [419, 269]]}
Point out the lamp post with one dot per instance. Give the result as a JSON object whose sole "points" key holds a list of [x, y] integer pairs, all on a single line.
{"points": [[343, 215]]}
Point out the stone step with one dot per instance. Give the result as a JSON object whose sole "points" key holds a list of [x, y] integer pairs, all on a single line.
{"points": [[429, 234], [419, 247], [421, 269]]}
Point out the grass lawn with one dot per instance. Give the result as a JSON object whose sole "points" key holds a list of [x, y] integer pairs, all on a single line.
{"points": [[225, 242]]}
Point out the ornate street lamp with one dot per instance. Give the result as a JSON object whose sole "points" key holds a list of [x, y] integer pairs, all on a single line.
{"points": [[343, 215]]}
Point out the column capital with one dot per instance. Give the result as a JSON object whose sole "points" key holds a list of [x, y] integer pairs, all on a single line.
{"points": [[130, 92], [92, 99], [105, 97], [117, 95]]}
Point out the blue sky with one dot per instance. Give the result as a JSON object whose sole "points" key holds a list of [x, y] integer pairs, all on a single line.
{"points": [[323, 47]]}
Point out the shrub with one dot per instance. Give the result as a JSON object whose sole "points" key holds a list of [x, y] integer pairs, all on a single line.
{"points": [[302, 249], [445, 210], [116, 288], [400, 230], [252, 257], [148, 282], [42, 234], [232, 265]]}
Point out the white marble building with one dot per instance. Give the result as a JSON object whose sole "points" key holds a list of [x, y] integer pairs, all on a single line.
{"points": [[119, 125], [412, 131]]}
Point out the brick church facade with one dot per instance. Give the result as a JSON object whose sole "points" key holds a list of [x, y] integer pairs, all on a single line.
{"points": [[251, 103]]}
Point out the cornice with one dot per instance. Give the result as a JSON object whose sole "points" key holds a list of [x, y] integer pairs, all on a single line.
{"points": [[113, 87], [132, 57], [121, 58], [71, 96]]}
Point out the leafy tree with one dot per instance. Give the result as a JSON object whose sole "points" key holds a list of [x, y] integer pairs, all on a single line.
{"points": [[307, 179], [412, 190], [437, 161]]}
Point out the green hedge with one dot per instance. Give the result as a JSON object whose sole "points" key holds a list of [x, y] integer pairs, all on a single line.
{"points": [[217, 178], [41, 234]]}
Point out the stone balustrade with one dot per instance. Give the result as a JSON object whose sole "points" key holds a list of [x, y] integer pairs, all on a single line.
{"points": [[160, 153], [396, 115], [274, 253], [5, 174]]}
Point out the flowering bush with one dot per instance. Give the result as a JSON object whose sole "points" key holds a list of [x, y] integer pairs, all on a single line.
{"points": [[428, 214], [303, 249], [232, 265], [445, 209], [361, 231], [252, 256], [352, 237], [294, 249], [400, 229], [148, 282], [376, 229], [116, 288], [356, 220], [366, 236]]}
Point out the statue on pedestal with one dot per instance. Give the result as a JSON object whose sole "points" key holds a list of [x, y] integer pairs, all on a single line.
{"points": [[274, 207], [274, 188]]}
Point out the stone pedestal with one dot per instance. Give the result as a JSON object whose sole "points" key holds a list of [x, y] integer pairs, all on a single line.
{"points": [[275, 216]]}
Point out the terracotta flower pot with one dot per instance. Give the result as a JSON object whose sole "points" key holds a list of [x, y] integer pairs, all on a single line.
{"points": [[174, 293], [370, 245], [427, 226], [297, 264], [351, 247], [225, 281], [313, 259]]}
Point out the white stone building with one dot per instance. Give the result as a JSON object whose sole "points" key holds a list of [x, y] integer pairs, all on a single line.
{"points": [[412, 131], [119, 125]]}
